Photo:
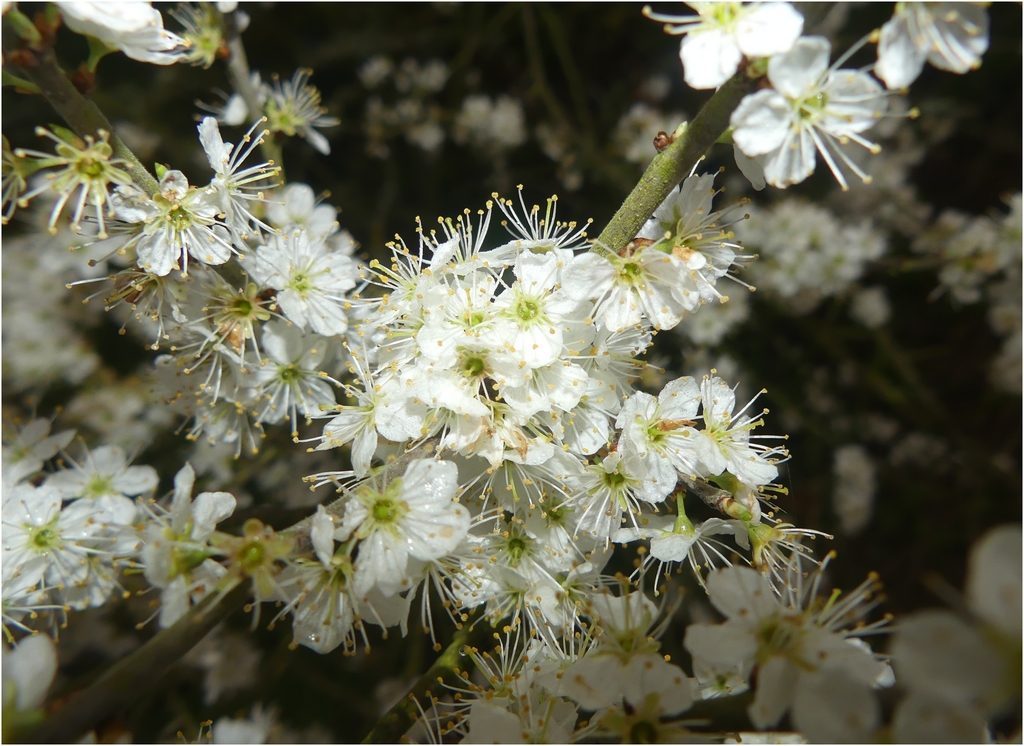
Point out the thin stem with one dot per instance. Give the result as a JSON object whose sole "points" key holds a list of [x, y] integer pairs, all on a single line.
{"points": [[19, 83], [577, 90], [670, 166], [241, 80], [129, 678], [396, 721], [536, 63], [82, 115]]}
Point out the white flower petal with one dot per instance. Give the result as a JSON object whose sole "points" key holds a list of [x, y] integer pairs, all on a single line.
{"points": [[994, 579], [776, 684], [761, 122], [209, 509], [900, 60], [795, 73], [768, 29], [709, 58]]}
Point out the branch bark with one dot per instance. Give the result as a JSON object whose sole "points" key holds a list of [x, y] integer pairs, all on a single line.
{"points": [[241, 81], [670, 166], [125, 681], [396, 721], [82, 115]]}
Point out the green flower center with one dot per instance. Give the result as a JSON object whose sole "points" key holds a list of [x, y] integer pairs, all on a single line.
{"points": [[184, 561], [179, 218], [289, 374], [813, 106], [631, 272], [301, 283], [251, 555], [473, 367], [99, 486], [527, 309], [777, 636], [643, 732], [283, 118], [516, 548], [613, 479], [45, 538], [384, 511], [91, 169]]}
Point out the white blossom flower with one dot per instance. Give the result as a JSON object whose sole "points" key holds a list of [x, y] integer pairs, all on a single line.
{"points": [[235, 186], [311, 280], [293, 108], [41, 541], [414, 516], [176, 555], [532, 313], [628, 289], [724, 443], [724, 32], [178, 222], [289, 379], [86, 168], [951, 36], [624, 664], [686, 227], [136, 28], [25, 453], [28, 671], [324, 603], [611, 490], [105, 479], [663, 428], [800, 644], [811, 106]]}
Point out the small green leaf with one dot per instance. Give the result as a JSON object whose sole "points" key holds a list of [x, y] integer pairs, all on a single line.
{"points": [[161, 170]]}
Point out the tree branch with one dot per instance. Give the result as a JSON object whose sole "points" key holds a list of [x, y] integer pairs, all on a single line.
{"points": [[396, 721], [241, 81], [670, 166], [82, 115], [129, 678]]}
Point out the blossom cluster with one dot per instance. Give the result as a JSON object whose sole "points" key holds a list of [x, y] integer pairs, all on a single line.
{"points": [[489, 414]]}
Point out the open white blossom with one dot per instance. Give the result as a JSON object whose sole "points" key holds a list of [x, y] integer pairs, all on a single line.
{"points": [[136, 28], [722, 33], [312, 281], [106, 479], [958, 672], [951, 36], [801, 647], [811, 106], [415, 516], [175, 552]]}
